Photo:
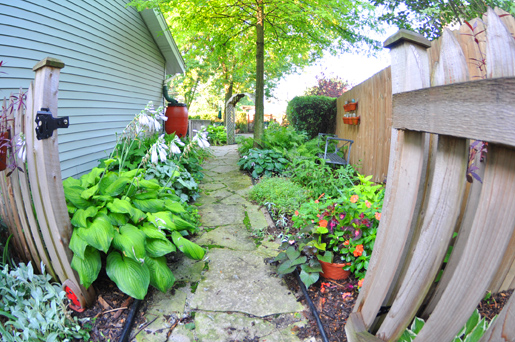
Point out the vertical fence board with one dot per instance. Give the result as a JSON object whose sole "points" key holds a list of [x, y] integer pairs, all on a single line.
{"points": [[47, 167], [500, 48]]}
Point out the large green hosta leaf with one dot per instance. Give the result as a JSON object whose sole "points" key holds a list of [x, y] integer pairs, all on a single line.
{"points": [[161, 277], [152, 184], [99, 234], [108, 179], [153, 232], [120, 206], [117, 187], [87, 267], [72, 195], [149, 205], [174, 206], [159, 247], [80, 216], [162, 219], [92, 177], [131, 242], [77, 244], [130, 276], [86, 194], [182, 224], [191, 249]]}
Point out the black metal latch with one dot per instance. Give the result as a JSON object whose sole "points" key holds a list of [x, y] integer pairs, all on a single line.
{"points": [[46, 123]]}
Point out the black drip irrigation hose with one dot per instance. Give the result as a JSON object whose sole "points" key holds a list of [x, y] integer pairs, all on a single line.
{"points": [[312, 307], [124, 337]]}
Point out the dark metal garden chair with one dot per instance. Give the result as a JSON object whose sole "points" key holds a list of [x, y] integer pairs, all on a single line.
{"points": [[334, 157]]}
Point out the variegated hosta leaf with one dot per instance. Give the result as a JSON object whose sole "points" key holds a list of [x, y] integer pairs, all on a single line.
{"points": [[191, 249], [130, 276], [161, 277], [88, 267], [131, 242]]}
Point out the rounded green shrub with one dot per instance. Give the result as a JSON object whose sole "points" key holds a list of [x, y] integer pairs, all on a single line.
{"points": [[312, 114]]}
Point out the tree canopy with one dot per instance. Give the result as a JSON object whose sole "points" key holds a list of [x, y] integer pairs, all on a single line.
{"points": [[283, 35], [428, 17], [331, 87]]}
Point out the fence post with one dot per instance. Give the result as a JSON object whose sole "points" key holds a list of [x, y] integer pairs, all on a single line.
{"points": [[48, 186]]}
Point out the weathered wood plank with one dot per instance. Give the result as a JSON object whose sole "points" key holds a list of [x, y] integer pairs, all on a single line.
{"points": [[29, 250], [37, 200], [356, 331], [46, 85], [441, 208], [496, 213], [481, 110], [500, 48]]}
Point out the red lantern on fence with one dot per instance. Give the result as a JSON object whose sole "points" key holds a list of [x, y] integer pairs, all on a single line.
{"points": [[177, 114]]}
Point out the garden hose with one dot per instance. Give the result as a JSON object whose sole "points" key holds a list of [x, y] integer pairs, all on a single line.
{"points": [[124, 337], [312, 307]]}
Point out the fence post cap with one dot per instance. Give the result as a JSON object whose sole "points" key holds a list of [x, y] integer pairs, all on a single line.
{"points": [[406, 35], [49, 61]]}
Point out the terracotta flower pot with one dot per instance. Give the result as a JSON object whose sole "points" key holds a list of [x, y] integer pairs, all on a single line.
{"points": [[177, 119], [4, 137], [355, 120], [333, 271], [349, 107]]}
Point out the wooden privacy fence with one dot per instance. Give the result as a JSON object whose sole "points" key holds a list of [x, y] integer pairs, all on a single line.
{"points": [[426, 188], [374, 96], [32, 202]]}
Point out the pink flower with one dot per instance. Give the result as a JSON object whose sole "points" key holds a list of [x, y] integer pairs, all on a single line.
{"points": [[354, 198], [378, 216], [368, 204]]}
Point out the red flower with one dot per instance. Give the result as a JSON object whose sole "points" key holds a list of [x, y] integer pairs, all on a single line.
{"points": [[346, 243], [323, 223], [296, 213], [358, 251]]}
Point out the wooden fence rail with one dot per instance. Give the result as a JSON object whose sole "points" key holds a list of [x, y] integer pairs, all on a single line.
{"points": [[32, 202], [426, 190]]}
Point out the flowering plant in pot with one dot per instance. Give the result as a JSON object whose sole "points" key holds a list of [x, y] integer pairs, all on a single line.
{"points": [[345, 226]]}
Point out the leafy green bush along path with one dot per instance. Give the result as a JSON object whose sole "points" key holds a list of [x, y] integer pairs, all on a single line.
{"points": [[232, 294]]}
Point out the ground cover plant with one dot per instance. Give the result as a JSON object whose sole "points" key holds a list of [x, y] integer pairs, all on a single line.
{"points": [[217, 135], [260, 163]]}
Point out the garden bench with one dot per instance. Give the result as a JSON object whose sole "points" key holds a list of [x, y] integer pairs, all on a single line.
{"points": [[427, 198], [334, 157]]}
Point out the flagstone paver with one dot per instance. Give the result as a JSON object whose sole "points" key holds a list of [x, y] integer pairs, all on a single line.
{"points": [[233, 294]]}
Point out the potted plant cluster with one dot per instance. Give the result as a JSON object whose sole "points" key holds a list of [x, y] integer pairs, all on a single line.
{"points": [[337, 234]]}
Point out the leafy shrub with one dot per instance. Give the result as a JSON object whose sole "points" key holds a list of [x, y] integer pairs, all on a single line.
{"points": [[282, 138], [312, 114], [217, 135], [169, 175], [130, 219], [282, 192], [34, 308], [244, 144], [318, 177], [263, 162]]}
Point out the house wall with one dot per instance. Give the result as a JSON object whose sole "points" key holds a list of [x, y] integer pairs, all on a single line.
{"points": [[113, 68]]}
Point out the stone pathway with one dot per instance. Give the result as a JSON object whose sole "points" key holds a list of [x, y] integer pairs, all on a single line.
{"points": [[232, 295]]}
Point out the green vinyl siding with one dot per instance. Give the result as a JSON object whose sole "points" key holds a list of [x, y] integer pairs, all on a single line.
{"points": [[113, 67]]}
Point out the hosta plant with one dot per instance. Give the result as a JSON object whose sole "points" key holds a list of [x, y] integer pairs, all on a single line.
{"points": [[263, 163], [132, 221]]}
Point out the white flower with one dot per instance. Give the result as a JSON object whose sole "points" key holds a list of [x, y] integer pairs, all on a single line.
{"points": [[159, 150], [178, 141], [201, 138]]}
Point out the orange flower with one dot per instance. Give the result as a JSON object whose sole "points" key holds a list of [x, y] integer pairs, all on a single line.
{"points": [[358, 251], [360, 282], [316, 201], [368, 204], [296, 213], [354, 198], [323, 223], [378, 216], [346, 243]]}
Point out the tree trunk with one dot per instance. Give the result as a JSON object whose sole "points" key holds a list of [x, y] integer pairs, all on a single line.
{"points": [[228, 94], [260, 71]]}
